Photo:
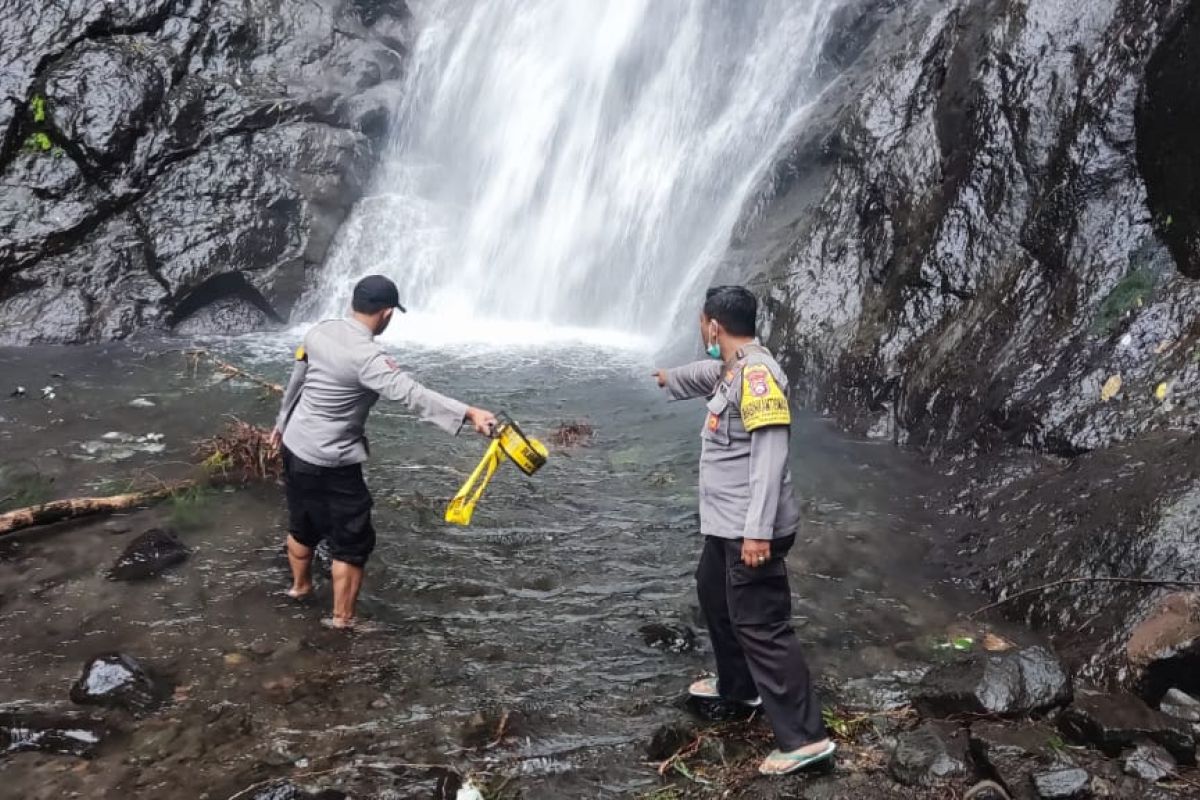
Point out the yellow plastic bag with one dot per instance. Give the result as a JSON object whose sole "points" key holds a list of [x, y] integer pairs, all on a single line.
{"points": [[462, 505], [510, 443]]}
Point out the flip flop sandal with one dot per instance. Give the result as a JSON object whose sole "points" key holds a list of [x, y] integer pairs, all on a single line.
{"points": [[798, 760], [706, 689], [361, 626]]}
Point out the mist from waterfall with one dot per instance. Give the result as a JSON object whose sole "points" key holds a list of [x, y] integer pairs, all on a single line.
{"points": [[562, 164]]}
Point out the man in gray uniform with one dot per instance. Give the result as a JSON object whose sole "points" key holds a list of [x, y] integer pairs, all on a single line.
{"points": [[749, 518], [338, 375]]}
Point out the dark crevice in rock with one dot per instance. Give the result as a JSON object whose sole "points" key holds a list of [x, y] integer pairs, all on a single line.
{"points": [[227, 285], [1168, 150]]}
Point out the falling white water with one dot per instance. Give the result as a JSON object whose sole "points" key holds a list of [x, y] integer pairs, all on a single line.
{"points": [[568, 165]]}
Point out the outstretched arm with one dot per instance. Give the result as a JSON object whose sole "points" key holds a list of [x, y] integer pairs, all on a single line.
{"points": [[381, 374], [698, 379], [290, 394]]}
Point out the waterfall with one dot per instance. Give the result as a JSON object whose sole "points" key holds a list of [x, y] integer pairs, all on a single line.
{"points": [[568, 163]]}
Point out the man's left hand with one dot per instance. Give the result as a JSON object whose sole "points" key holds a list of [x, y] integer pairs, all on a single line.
{"points": [[756, 552]]}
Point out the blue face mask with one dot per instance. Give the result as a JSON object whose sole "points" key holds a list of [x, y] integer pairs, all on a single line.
{"points": [[714, 351]]}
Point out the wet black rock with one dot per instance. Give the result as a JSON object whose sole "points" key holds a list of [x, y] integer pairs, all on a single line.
{"points": [[668, 739], [286, 790], [883, 692], [1149, 762], [1005, 684], [116, 680], [1069, 783], [161, 157], [1180, 705], [932, 754], [1013, 752], [148, 555], [50, 733], [671, 638], [987, 790], [1112, 722]]}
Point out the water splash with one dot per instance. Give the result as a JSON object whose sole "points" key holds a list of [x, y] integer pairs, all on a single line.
{"points": [[559, 163]]}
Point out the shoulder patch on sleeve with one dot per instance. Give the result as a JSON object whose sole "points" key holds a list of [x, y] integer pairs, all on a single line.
{"points": [[301, 353], [763, 403]]}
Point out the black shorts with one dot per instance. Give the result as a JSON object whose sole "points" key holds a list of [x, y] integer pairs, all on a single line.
{"points": [[331, 503]]}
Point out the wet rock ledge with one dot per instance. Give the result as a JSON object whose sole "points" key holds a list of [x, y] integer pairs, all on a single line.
{"points": [[181, 163]]}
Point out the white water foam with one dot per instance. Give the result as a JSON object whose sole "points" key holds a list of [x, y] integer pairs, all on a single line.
{"points": [[571, 168]]}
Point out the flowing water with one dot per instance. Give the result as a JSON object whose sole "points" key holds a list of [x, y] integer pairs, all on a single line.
{"points": [[560, 170], [540, 608], [573, 163]]}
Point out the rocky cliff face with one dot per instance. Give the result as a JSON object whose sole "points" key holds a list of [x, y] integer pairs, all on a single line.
{"points": [[985, 246], [181, 162]]}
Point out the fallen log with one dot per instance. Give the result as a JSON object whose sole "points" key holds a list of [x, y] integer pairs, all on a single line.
{"points": [[75, 507], [241, 450]]}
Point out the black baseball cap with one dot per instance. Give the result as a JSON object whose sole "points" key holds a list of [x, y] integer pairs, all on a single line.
{"points": [[375, 293]]}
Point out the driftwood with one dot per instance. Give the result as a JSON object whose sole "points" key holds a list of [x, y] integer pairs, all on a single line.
{"points": [[231, 371], [62, 510], [241, 451]]}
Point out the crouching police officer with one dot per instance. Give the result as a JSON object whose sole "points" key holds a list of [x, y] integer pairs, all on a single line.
{"points": [[749, 519], [338, 375]]}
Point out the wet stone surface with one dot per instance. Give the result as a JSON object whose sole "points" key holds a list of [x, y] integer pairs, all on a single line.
{"points": [[1005, 684], [1112, 722], [148, 555], [1150, 762], [116, 680], [46, 732], [1063, 784], [932, 754]]}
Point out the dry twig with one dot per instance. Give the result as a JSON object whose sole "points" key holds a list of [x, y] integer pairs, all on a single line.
{"points": [[231, 371], [1067, 581]]}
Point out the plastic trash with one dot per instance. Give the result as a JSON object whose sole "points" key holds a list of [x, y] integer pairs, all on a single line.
{"points": [[1110, 389], [469, 792]]}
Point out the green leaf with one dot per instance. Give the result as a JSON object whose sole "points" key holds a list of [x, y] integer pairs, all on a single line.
{"points": [[39, 142], [38, 107]]}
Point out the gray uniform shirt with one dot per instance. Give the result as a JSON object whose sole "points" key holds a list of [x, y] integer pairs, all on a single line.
{"points": [[339, 374], [745, 481]]}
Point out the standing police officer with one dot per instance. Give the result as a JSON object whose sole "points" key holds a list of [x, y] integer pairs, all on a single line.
{"points": [[338, 375], [749, 518]]}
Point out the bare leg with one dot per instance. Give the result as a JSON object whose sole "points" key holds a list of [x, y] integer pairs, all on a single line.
{"points": [[347, 580], [300, 560]]}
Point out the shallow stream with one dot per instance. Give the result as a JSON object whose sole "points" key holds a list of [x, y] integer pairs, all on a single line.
{"points": [[541, 608]]}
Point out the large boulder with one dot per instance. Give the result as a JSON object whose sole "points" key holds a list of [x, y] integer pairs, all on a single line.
{"points": [[116, 680], [1015, 683], [1112, 722]]}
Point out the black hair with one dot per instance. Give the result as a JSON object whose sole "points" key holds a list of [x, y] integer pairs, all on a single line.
{"points": [[364, 305], [734, 307]]}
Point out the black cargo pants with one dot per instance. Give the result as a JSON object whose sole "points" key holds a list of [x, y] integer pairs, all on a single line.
{"points": [[748, 612]]}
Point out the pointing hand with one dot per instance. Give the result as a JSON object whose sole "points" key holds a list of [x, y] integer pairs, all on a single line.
{"points": [[661, 376]]}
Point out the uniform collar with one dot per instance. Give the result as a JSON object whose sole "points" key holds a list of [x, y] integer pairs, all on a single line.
{"points": [[357, 325]]}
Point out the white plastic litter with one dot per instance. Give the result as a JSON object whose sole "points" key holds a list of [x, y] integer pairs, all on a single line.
{"points": [[469, 792], [141, 402]]}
